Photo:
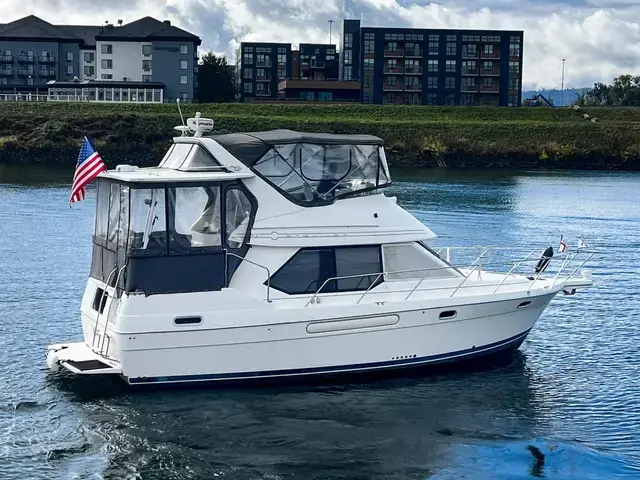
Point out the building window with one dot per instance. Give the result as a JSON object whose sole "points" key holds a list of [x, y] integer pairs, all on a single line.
{"points": [[450, 66], [491, 38], [69, 69], [452, 38], [282, 58], [347, 57], [184, 80], [106, 64], [392, 47], [432, 82], [391, 81], [106, 76], [146, 50], [146, 65], [450, 99], [146, 78], [184, 64], [106, 49], [310, 268], [368, 63], [488, 49], [433, 48], [432, 66], [89, 57], [450, 82], [487, 82], [247, 58], [514, 49], [89, 71], [512, 100], [392, 64], [432, 98], [248, 87], [369, 46], [411, 66], [514, 68], [434, 38], [348, 40], [347, 73], [248, 73], [514, 83], [470, 50], [514, 40], [282, 50], [487, 66], [367, 81], [69, 56], [184, 49], [451, 49], [184, 96], [367, 98], [470, 38]]}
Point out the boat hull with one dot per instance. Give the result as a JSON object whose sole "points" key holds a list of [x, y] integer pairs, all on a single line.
{"points": [[419, 338]]}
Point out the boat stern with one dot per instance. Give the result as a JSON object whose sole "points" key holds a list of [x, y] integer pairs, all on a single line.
{"points": [[80, 359]]}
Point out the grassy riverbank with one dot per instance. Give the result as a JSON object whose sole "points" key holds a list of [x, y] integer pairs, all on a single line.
{"points": [[457, 136]]}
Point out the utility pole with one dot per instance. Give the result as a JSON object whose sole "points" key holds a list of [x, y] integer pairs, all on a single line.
{"points": [[330, 25], [562, 91]]}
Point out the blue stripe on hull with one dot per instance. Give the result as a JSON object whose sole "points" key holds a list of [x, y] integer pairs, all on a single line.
{"points": [[508, 344]]}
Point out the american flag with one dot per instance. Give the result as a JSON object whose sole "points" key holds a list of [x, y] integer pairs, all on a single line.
{"points": [[88, 167]]}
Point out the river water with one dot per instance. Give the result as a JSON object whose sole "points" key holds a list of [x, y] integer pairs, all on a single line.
{"points": [[572, 391]]}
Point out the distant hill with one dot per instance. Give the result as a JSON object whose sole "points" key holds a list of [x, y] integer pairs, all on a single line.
{"points": [[556, 96]]}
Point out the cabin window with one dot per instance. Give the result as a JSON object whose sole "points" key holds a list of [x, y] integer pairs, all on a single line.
{"points": [[412, 261], [313, 174], [195, 218], [237, 215], [148, 234], [308, 270], [102, 212], [176, 155]]}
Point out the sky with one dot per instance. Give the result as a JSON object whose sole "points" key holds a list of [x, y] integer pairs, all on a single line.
{"points": [[598, 38]]}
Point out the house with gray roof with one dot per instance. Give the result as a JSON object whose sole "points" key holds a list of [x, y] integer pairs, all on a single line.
{"points": [[37, 55]]}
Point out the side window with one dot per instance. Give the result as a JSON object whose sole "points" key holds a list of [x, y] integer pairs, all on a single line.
{"points": [[147, 227], [237, 216], [102, 212], [357, 261], [310, 268], [195, 216], [305, 272]]}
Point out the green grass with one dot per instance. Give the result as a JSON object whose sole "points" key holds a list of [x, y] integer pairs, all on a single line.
{"points": [[415, 132]]}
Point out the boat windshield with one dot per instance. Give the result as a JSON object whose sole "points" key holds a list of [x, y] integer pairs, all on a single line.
{"points": [[314, 174]]}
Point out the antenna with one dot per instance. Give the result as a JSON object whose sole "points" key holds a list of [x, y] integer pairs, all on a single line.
{"points": [[181, 117]]}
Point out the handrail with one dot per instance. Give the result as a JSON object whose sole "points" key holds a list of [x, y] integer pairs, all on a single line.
{"points": [[106, 322], [104, 291], [514, 266], [243, 259]]}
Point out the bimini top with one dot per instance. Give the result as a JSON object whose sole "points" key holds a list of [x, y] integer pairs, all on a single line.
{"points": [[249, 147]]}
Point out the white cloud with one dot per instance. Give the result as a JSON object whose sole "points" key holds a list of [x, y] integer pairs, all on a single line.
{"points": [[598, 38]]}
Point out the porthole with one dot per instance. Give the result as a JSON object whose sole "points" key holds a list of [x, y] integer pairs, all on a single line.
{"points": [[187, 320], [524, 304], [448, 314]]}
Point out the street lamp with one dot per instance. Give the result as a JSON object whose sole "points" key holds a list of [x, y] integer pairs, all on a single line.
{"points": [[562, 91]]}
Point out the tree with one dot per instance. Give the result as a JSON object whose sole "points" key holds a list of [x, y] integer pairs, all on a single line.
{"points": [[216, 79], [624, 91]]}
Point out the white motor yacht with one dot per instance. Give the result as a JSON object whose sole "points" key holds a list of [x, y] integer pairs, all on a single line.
{"points": [[276, 254]]}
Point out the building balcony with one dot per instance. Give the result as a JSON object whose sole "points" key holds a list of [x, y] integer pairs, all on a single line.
{"points": [[47, 60], [264, 64], [6, 58], [263, 93], [26, 59], [25, 72], [392, 88], [494, 55], [417, 87], [490, 88], [6, 72], [393, 71], [471, 55], [394, 53], [469, 71], [469, 88], [47, 73], [494, 72], [263, 79], [415, 53], [413, 70], [317, 64]]}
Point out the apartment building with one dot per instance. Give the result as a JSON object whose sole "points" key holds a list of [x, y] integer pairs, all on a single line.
{"points": [[259, 68], [35, 54], [432, 66]]}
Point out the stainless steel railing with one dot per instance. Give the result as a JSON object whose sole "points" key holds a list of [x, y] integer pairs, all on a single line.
{"points": [[243, 259]]}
